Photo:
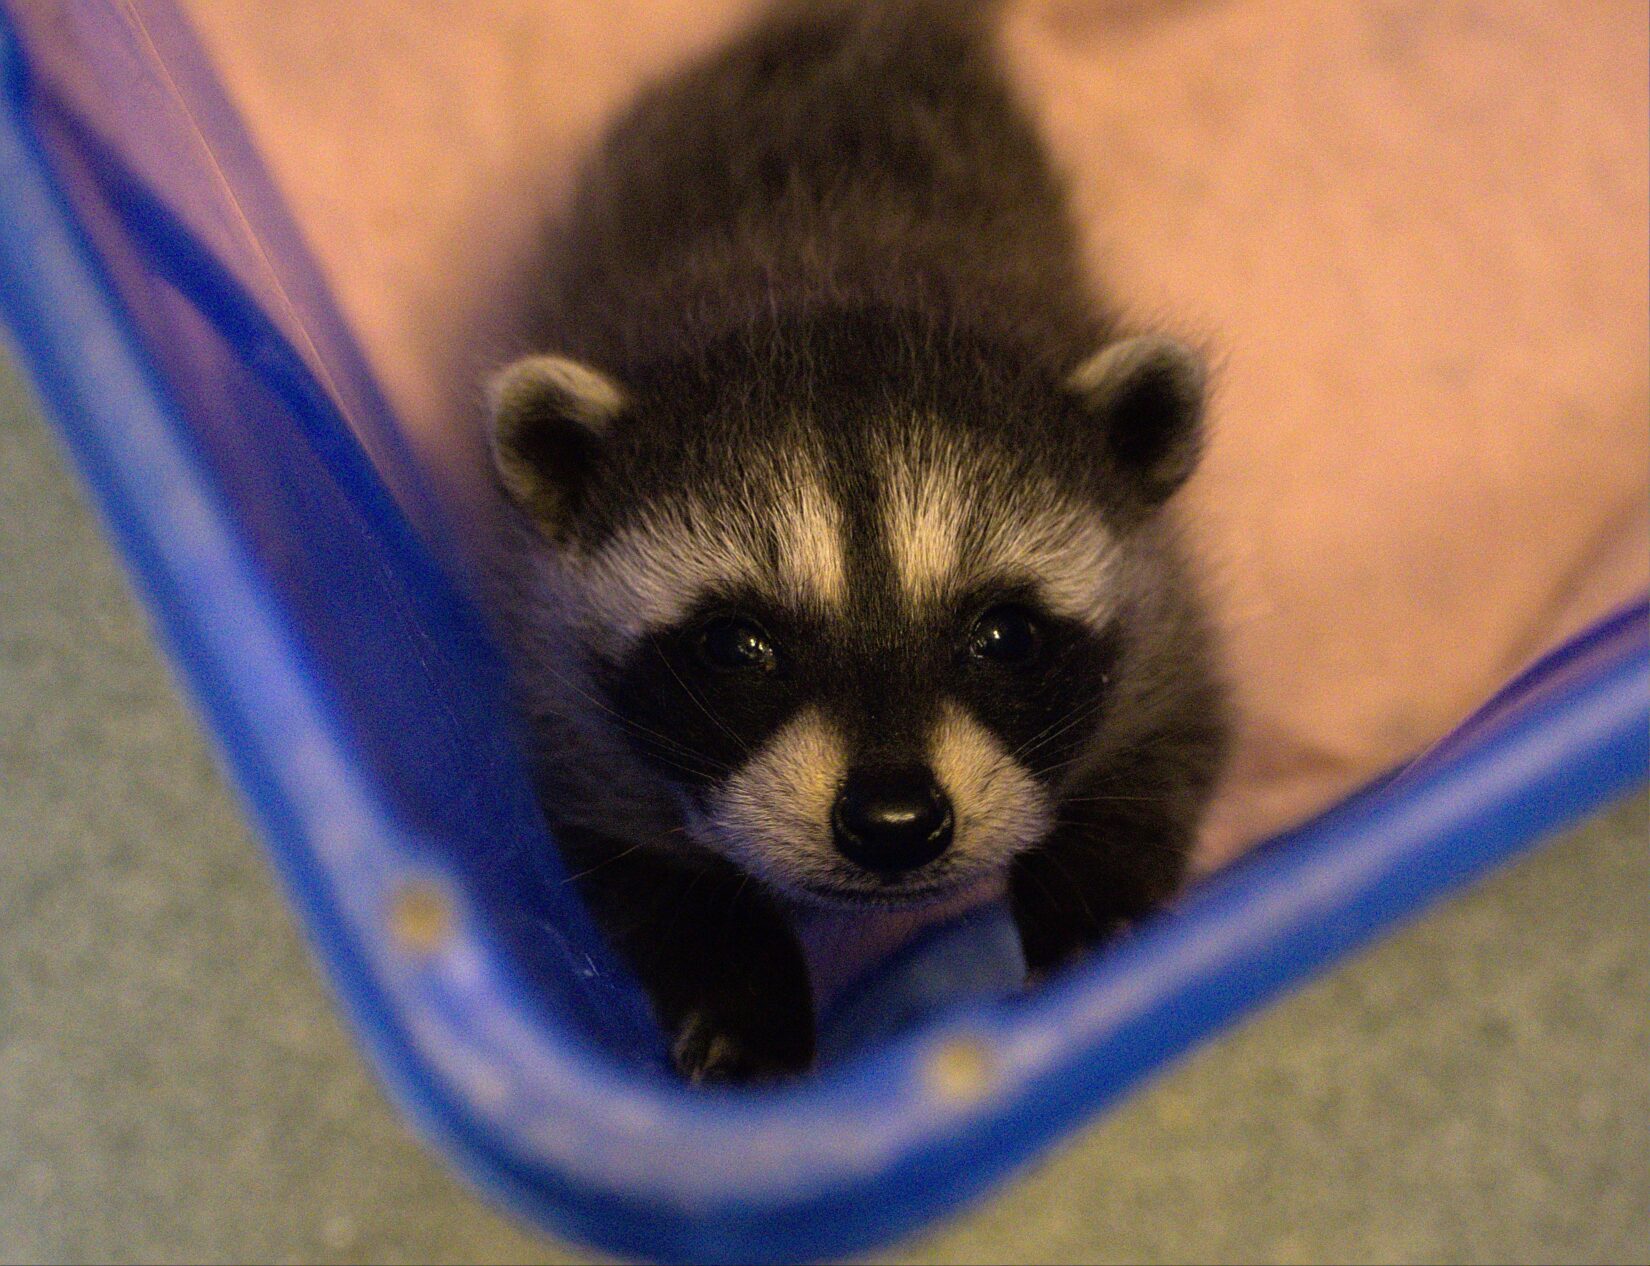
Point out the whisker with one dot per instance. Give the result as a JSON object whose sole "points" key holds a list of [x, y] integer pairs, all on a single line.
{"points": [[691, 770], [1156, 846], [1065, 800], [1133, 749], [1074, 887], [698, 702], [637, 728], [681, 904], [1058, 766], [608, 861], [733, 905], [1055, 728]]}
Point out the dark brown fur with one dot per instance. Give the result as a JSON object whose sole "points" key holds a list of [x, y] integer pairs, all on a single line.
{"points": [[848, 200]]}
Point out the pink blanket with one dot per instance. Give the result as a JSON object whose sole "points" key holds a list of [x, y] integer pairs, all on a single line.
{"points": [[1412, 234]]}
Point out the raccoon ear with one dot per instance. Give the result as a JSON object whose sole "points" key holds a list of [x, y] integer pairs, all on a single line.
{"points": [[549, 414], [1147, 392]]}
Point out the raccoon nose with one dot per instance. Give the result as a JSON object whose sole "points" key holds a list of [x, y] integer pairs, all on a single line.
{"points": [[891, 819]]}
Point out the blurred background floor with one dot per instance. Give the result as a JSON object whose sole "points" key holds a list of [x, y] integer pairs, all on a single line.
{"points": [[175, 1083]]}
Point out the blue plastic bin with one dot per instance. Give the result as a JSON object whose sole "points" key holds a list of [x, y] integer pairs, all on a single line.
{"points": [[218, 406]]}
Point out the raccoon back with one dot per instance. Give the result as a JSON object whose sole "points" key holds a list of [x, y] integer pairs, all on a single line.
{"points": [[838, 156]]}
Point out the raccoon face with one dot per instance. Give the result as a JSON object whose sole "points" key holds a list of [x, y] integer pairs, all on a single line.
{"points": [[866, 647]]}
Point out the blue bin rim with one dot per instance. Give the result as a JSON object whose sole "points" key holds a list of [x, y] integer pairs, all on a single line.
{"points": [[883, 1143]]}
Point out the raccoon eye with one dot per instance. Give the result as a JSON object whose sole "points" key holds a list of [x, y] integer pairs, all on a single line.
{"points": [[730, 644], [1005, 635]]}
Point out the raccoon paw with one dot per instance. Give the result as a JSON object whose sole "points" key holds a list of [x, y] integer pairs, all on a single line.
{"points": [[706, 1052]]}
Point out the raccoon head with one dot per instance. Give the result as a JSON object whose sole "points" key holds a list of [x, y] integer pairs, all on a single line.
{"points": [[865, 624]]}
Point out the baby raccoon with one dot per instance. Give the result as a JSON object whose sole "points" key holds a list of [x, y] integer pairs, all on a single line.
{"points": [[840, 573]]}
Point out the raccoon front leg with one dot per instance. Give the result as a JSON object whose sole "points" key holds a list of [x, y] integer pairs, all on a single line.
{"points": [[1117, 853], [724, 971], [1084, 885]]}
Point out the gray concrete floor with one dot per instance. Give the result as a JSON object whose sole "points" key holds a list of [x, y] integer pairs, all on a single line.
{"points": [[175, 1083]]}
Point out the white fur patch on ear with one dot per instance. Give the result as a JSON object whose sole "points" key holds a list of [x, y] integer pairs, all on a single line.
{"points": [[548, 414], [1000, 808], [555, 384], [1146, 395], [1119, 364]]}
